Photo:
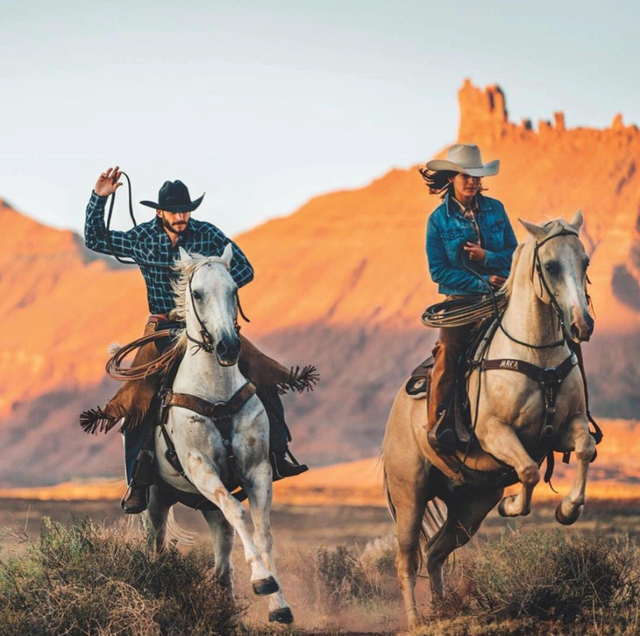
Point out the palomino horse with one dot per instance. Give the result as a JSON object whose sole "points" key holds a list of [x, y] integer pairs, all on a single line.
{"points": [[547, 306], [206, 299]]}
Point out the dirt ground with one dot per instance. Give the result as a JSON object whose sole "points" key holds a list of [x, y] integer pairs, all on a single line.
{"points": [[298, 532]]}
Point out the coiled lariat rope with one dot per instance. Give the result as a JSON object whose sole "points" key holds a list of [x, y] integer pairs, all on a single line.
{"points": [[162, 363], [462, 311]]}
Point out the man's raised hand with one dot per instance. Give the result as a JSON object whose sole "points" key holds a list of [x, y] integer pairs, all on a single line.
{"points": [[108, 182]]}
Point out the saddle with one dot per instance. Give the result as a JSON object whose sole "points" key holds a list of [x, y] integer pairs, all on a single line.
{"points": [[419, 384]]}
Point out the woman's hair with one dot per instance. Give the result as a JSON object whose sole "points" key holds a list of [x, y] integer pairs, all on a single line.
{"points": [[438, 181]]}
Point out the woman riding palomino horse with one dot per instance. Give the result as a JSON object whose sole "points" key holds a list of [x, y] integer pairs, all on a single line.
{"points": [[465, 226], [527, 397]]}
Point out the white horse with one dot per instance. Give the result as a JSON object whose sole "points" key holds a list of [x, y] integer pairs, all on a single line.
{"points": [[206, 299], [547, 307]]}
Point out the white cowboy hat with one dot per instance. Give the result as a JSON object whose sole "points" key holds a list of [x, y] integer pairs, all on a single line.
{"points": [[465, 158]]}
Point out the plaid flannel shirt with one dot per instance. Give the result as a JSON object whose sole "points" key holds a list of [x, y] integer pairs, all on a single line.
{"points": [[148, 243]]}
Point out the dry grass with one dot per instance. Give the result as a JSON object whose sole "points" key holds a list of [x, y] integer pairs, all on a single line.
{"points": [[86, 578], [541, 582]]}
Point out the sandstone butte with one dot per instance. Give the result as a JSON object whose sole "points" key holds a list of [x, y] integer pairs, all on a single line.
{"points": [[344, 289]]}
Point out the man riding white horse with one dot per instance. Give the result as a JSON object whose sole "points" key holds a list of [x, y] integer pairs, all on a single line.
{"points": [[155, 246]]}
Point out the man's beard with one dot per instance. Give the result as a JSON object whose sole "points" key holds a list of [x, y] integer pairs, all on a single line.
{"points": [[168, 226]]}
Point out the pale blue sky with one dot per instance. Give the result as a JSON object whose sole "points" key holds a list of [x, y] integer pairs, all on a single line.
{"points": [[264, 104]]}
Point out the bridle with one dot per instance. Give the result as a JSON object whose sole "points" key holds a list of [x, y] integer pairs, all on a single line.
{"points": [[207, 343], [536, 268]]}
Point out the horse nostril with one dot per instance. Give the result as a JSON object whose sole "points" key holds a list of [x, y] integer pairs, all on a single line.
{"points": [[575, 332], [590, 325], [228, 349], [221, 349]]}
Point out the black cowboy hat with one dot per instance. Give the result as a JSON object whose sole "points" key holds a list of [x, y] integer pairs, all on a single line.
{"points": [[174, 197]]}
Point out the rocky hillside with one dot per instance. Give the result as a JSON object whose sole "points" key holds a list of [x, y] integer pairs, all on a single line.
{"points": [[340, 283]]}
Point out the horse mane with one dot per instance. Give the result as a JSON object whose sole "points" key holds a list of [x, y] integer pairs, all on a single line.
{"points": [[552, 227], [180, 285], [508, 285]]}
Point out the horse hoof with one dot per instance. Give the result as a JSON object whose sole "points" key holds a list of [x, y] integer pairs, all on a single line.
{"points": [[563, 519], [282, 615], [264, 587]]}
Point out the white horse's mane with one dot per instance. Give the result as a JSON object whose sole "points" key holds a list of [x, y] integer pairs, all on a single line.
{"points": [[180, 285]]}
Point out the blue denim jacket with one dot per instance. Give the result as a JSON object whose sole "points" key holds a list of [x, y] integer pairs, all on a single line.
{"points": [[448, 231]]}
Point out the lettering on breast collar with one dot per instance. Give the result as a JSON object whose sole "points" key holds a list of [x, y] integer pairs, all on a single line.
{"points": [[509, 364]]}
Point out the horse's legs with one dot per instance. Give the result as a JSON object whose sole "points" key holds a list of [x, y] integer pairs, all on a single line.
{"points": [[466, 511], [576, 438], [202, 473], [222, 538], [154, 519], [409, 499], [501, 441], [259, 489]]}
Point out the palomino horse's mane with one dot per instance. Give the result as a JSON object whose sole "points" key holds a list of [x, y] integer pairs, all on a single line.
{"points": [[554, 226], [180, 285]]}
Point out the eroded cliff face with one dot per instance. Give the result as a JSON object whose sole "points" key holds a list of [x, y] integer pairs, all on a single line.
{"points": [[61, 305], [340, 283]]}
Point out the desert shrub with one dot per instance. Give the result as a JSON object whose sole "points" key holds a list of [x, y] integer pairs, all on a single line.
{"points": [[346, 575], [87, 578], [547, 576], [380, 554]]}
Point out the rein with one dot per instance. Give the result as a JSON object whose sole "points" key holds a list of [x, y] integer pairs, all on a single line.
{"points": [[537, 267], [206, 344], [122, 259]]}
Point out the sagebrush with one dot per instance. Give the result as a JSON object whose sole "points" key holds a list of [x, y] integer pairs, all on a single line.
{"points": [[88, 578]]}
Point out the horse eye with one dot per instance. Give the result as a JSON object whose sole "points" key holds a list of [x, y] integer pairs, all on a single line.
{"points": [[552, 267], [197, 295]]}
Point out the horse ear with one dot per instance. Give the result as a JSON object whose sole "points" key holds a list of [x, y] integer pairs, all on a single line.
{"points": [[535, 230], [184, 255], [227, 255], [577, 221]]}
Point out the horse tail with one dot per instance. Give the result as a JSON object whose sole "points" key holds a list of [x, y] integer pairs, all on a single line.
{"points": [[435, 516], [175, 533], [387, 495]]}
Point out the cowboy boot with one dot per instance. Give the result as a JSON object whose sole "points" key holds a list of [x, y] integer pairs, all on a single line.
{"points": [[440, 417], [441, 428], [136, 498], [279, 437], [282, 467]]}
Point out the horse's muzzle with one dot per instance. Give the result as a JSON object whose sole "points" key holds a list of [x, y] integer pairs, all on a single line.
{"points": [[582, 328], [228, 351]]}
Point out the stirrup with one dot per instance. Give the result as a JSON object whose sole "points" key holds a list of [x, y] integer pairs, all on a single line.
{"points": [[442, 436]]}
